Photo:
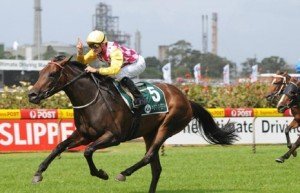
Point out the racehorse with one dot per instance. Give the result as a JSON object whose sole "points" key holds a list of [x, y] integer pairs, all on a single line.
{"points": [[279, 83], [281, 79], [102, 118], [290, 99]]}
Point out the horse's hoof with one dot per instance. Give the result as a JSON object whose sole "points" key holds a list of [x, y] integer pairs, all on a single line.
{"points": [[121, 178], [36, 179], [103, 175], [280, 160], [294, 153]]}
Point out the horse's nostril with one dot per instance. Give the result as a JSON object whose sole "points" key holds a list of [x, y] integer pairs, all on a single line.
{"points": [[32, 94], [34, 97]]}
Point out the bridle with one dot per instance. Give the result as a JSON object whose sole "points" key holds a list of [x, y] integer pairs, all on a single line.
{"points": [[55, 88], [282, 85], [96, 81], [291, 91]]}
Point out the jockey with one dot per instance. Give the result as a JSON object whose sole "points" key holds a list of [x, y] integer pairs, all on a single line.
{"points": [[123, 63]]}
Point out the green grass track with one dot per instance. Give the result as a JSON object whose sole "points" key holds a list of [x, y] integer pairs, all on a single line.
{"points": [[199, 169]]}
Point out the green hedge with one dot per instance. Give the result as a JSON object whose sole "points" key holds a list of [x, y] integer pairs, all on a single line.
{"points": [[240, 95], [15, 97]]}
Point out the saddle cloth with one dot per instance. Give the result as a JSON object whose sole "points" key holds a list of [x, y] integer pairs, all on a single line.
{"points": [[156, 101]]}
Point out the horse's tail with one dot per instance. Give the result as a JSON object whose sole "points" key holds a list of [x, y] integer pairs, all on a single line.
{"points": [[210, 131]]}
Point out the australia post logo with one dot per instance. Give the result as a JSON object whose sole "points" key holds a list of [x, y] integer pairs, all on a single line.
{"points": [[39, 114], [239, 112]]}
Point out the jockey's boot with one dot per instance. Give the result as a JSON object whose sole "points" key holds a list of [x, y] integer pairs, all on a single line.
{"points": [[139, 100]]}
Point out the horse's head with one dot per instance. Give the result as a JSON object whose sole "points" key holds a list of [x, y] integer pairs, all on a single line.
{"points": [[51, 78], [281, 79], [290, 95]]}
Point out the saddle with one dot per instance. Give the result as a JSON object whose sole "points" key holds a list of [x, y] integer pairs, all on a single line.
{"points": [[156, 101]]}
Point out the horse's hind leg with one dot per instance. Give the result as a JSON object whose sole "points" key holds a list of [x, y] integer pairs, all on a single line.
{"points": [[106, 140], [293, 124], [73, 141], [288, 154], [151, 156], [155, 165]]}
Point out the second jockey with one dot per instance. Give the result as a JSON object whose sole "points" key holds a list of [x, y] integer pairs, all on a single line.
{"points": [[123, 63]]}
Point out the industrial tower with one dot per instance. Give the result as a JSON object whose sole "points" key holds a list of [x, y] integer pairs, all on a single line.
{"points": [[104, 21], [137, 42], [204, 33], [214, 38], [37, 28]]}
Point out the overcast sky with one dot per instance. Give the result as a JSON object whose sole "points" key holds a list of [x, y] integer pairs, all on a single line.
{"points": [[246, 28]]}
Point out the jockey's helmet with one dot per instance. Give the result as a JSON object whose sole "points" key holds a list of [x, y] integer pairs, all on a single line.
{"points": [[96, 37]]}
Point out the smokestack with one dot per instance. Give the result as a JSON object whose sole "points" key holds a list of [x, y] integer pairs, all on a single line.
{"points": [[137, 43], [204, 33], [37, 28], [214, 38]]}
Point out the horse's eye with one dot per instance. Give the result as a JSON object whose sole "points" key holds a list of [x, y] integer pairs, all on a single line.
{"points": [[277, 83], [52, 75]]}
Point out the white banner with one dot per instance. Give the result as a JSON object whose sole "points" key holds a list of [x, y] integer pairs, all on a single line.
{"points": [[167, 73], [254, 73], [226, 77], [197, 73], [15, 45], [268, 130], [26, 65]]}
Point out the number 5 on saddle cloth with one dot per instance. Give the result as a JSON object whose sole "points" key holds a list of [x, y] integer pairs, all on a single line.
{"points": [[156, 101]]}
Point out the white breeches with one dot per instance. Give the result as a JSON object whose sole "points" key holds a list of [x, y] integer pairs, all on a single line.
{"points": [[132, 70]]}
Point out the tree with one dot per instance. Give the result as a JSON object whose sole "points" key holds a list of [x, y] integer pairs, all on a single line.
{"points": [[153, 68], [247, 67], [178, 51], [272, 64], [50, 53], [214, 64]]}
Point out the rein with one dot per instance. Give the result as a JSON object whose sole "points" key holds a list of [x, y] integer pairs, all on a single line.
{"points": [[54, 90], [88, 104], [75, 79]]}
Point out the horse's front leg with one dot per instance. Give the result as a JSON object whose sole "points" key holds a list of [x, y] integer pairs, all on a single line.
{"points": [[72, 141], [288, 154], [106, 140]]}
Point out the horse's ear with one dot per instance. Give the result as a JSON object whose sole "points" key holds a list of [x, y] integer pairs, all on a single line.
{"points": [[70, 58], [66, 60]]}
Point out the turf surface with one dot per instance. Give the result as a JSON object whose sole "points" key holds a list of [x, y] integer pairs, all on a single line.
{"points": [[201, 169]]}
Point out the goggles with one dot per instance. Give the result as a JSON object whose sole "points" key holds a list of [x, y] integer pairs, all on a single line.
{"points": [[94, 46]]}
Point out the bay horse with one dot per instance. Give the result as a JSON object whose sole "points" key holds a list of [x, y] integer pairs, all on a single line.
{"points": [[278, 85], [290, 99], [102, 118]]}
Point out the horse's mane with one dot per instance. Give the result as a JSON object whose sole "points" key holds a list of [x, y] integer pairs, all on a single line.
{"points": [[79, 66], [280, 72], [74, 63]]}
